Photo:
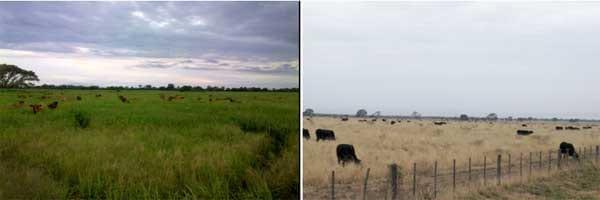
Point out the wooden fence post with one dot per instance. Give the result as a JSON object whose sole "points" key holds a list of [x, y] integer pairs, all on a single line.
{"points": [[484, 167], [521, 167], [394, 180], [435, 180], [549, 161], [530, 163], [469, 169], [499, 169], [332, 185], [414, 180], [597, 151], [558, 158], [540, 160], [453, 175], [509, 166], [366, 181]]}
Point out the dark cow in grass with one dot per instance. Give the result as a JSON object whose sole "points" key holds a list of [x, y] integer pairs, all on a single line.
{"points": [[123, 99], [78, 98], [36, 108], [393, 122], [572, 128], [567, 149], [324, 134], [587, 127], [559, 128], [346, 153], [305, 134], [439, 123], [524, 132], [53, 105], [344, 118]]}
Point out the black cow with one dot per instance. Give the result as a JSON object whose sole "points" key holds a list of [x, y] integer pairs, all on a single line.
{"points": [[587, 127], [524, 132], [324, 134], [572, 128], [559, 128], [524, 125], [346, 153], [53, 105], [439, 123], [393, 122], [568, 149], [305, 134], [344, 118], [78, 98], [384, 120]]}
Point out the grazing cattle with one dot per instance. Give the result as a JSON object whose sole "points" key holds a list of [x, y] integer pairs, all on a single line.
{"points": [[78, 98], [384, 120], [98, 95], [324, 134], [123, 99], [22, 96], [393, 122], [524, 132], [19, 104], [439, 123], [374, 120], [53, 105], [344, 118], [572, 128], [305, 134], [36, 108], [524, 125], [587, 127], [559, 128], [568, 149], [346, 153], [162, 96]]}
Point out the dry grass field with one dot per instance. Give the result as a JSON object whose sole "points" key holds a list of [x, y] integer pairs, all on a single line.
{"points": [[379, 144]]}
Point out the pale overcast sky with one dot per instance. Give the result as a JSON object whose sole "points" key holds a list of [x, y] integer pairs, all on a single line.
{"points": [[130, 43], [535, 59]]}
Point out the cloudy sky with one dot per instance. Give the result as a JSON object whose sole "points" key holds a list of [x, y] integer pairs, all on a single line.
{"points": [[535, 59], [131, 43]]}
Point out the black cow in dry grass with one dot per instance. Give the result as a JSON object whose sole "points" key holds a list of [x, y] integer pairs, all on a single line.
{"points": [[524, 125], [305, 134], [568, 149], [439, 123], [36, 108], [393, 122], [53, 105], [572, 128], [344, 118], [559, 128], [587, 127], [346, 153], [324, 134], [524, 132]]}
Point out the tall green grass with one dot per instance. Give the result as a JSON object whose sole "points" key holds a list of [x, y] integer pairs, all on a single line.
{"points": [[150, 148]]}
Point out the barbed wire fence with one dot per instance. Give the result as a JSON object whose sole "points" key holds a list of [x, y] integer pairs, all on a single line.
{"points": [[421, 182]]}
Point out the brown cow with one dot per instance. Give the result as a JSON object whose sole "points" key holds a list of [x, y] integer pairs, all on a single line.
{"points": [[36, 108]]}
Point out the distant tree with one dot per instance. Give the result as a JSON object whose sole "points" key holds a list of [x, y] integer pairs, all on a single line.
{"points": [[170, 86], [361, 113], [148, 86], [185, 88], [464, 117], [492, 117], [554, 119], [308, 112], [510, 118], [416, 115], [12, 76]]}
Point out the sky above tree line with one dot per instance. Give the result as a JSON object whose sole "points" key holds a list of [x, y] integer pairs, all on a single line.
{"points": [[519, 59], [228, 44]]}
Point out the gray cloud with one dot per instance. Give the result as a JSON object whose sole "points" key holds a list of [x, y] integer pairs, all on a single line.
{"points": [[155, 29]]}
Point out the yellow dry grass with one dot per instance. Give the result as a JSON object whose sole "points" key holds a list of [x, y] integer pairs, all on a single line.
{"points": [[379, 144]]}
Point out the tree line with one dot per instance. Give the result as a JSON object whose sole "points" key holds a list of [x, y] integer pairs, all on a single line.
{"points": [[12, 76]]}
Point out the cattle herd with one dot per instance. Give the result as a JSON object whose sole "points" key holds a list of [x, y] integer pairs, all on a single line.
{"points": [[347, 153], [36, 108]]}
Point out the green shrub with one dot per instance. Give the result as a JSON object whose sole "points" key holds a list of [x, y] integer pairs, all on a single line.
{"points": [[82, 119]]}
